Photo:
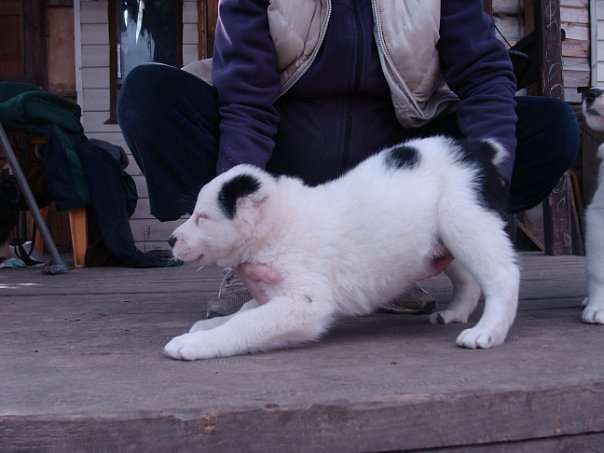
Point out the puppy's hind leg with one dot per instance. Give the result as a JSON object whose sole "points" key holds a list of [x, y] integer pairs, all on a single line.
{"points": [[594, 241], [466, 293], [476, 237]]}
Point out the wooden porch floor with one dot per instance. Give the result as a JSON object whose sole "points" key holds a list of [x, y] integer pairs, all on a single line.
{"points": [[81, 369]]}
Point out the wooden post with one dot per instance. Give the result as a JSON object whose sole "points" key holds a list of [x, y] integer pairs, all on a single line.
{"points": [[208, 13], [557, 208], [79, 235]]}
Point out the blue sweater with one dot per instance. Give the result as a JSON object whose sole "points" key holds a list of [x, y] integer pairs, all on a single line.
{"points": [[340, 111]]}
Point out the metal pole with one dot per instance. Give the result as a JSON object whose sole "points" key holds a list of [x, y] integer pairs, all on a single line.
{"points": [[56, 264]]}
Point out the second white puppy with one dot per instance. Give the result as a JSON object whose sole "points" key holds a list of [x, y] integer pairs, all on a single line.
{"points": [[353, 244], [593, 109]]}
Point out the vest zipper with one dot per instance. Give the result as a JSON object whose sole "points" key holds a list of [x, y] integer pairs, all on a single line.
{"points": [[307, 64], [358, 65], [379, 41]]}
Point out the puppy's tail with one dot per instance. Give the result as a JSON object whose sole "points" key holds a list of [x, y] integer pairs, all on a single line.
{"points": [[485, 150], [499, 153]]}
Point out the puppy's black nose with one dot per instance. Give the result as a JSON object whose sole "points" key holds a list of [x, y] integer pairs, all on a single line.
{"points": [[592, 94], [172, 241]]}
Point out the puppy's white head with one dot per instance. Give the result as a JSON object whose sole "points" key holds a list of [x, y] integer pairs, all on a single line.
{"points": [[224, 223], [593, 108]]}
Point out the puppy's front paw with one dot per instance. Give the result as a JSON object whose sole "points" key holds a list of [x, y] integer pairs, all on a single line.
{"points": [[190, 346], [447, 317], [480, 338], [593, 312]]}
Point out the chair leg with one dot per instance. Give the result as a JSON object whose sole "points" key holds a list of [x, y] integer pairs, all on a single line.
{"points": [[38, 240], [56, 265], [79, 235]]}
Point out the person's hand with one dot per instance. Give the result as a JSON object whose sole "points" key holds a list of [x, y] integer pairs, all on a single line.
{"points": [[253, 274], [439, 264]]}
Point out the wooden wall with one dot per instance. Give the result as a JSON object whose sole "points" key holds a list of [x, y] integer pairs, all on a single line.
{"points": [[148, 232]]}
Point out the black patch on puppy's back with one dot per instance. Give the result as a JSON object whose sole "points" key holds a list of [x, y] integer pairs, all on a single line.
{"points": [[490, 186], [235, 188], [402, 156]]}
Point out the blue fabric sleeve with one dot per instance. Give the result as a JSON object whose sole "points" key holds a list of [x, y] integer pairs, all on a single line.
{"points": [[476, 66], [246, 77]]}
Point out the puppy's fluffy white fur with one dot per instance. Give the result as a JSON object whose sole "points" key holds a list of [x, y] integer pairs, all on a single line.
{"points": [[593, 110], [349, 246]]}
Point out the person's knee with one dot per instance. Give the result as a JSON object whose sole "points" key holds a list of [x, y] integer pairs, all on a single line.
{"points": [[141, 93], [563, 133]]}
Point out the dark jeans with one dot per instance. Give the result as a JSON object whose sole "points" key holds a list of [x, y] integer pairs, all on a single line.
{"points": [[170, 121]]}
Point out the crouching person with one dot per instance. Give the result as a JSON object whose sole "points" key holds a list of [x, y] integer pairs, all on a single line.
{"points": [[312, 90]]}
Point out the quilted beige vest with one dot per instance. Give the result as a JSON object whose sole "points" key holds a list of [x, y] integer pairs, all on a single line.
{"points": [[406, 34]]}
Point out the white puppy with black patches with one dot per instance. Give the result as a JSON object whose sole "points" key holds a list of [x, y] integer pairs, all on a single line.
{"points": [[593, 110], [351, 245]]}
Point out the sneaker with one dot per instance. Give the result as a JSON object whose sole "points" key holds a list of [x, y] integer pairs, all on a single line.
{"points": [[232, 294], [416, 300]]}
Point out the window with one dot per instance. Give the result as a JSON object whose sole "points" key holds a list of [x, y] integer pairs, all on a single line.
{"points": [[142, 31]]}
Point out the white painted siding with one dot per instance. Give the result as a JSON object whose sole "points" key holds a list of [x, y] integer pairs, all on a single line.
{"points": [[94, 29], [598, 41]]}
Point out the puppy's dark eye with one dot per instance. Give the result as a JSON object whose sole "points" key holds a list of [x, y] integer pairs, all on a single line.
{"points": [[200, 217]]}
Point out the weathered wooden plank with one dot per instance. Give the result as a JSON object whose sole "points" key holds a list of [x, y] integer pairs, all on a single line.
{"points": [[574, 15], [575, 48], [98, 361], [550, 278], [583, 443], [575, 63], [575, 3], [576, 78], [577, 31]]}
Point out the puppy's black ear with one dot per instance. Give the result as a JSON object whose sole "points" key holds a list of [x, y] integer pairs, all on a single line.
{"points": [[236, 188]]}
